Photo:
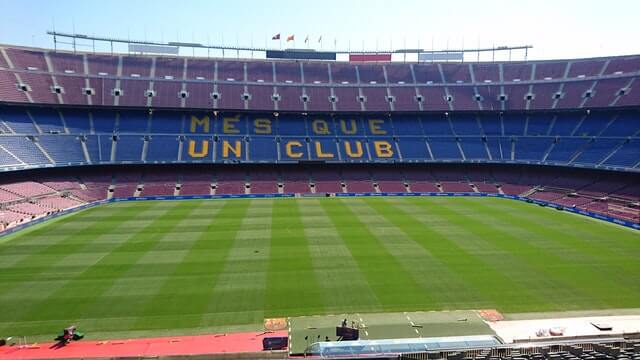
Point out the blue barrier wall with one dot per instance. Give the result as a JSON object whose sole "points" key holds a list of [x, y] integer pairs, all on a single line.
{"points": [[625, 223]]}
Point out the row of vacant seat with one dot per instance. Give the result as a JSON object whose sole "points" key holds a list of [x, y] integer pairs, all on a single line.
{"points": [[603, 192], [21, 151], [32, 121]]}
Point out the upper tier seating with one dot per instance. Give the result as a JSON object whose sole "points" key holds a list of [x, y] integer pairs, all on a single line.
{"points": [[562, 84]]}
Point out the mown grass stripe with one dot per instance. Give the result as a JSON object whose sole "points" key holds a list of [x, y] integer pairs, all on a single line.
{"points": [[414, 259], [134, 289], [78, 295], [243, 280], [185, 297], [59, 241], [54, 275], [292, 287], [333, 263], [579, 281], [576, 232], [598, 265], [480, 267], [393, 286], [57, 262], [447, 286]]}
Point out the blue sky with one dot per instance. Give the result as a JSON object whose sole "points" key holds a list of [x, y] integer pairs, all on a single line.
{"points": [[556, 29]]}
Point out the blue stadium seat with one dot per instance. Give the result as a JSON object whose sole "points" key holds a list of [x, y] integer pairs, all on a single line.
{"points": [[263, 149], [18, 120], [465, 124], [491, 125], [436, 125], [625, 124], [198, 148], [531, 148], [514, 124], [104, 121], [262, 124], [500, 148], [349, 126], [133, 122], [565, 124], [48, 120], [445, 148], [105, 143], [354, 149], [93, 148], [24, 149], [539, 124], [565, 149], [407, 125], [378, 126], [7, 160], [593, 124], [597, 150], [77, 121], [291, 125], [165, 122], [413, 149], [473, 148], [163, 149], [64, 149], [323, 148], [382, 149], [129, 148], [627, 155], [230, 148], [293, 149]]}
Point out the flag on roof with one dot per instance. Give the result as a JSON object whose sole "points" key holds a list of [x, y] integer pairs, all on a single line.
{"points": [[306, 40], [320, 38], [290, 38], [276, 37]]}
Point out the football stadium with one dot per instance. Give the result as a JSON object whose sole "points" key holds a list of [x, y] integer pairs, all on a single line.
{"points": [[174, 200]]}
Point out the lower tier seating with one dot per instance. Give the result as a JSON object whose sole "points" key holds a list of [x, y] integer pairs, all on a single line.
{"points": [[25, 195]]}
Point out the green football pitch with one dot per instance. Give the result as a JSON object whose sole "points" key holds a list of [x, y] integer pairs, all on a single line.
{"points": [[184, 267]]}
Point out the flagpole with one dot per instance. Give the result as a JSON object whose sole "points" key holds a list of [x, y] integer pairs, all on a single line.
{"points": [[404, 58]]}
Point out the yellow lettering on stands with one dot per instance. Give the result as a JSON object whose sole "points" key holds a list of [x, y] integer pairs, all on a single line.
{"points": [[321, 154], [289, 149], [195, 122], [354, 127], [383, 149], [229, 125], [358, 153], [198, 154], [375, 127], [236, 149], [320, 127], [262, 126]]}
